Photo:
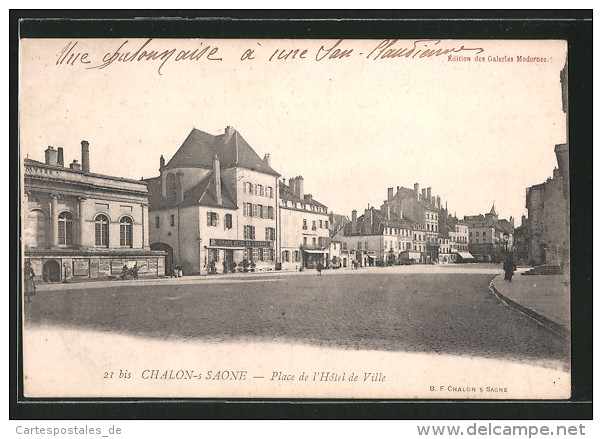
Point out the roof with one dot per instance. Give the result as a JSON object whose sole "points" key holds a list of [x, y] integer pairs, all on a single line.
{"points": [[286, 194], [379, 222], [201, 194], [199, 149]]}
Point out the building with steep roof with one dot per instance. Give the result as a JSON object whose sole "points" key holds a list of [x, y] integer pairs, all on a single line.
{"points": [[79, 225], [214, 205]]}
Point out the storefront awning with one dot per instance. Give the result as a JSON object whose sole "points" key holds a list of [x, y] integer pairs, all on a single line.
{"points": [[465, 255], [315, 251]]}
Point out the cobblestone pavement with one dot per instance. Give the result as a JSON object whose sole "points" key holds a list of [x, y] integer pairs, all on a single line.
{"points": [[447, 313]]}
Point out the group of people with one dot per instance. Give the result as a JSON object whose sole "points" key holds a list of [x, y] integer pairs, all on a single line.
{"points": [[125, 272]]}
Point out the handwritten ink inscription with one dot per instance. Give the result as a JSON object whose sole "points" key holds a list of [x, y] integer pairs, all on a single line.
{"points": [[155, 52]]}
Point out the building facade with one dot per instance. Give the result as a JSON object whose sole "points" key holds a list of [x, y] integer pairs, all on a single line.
{"points": [[213, 208], [378, 237], [548, 205], [80, 225], [488, 236], [304, 238]]}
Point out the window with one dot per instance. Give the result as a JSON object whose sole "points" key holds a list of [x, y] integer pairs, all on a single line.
{"points": [[269, 192], [270, 233], [256, 254], [344, 246], [260, 211], [249, 232], [483, 233], [228, 221], [313, 241], [321, 224], [285, 256], [260, 190], [304, 224], [325, 224], [297, 256], [65, 228], [172, 220], [255, 210], [212, 219], [251, 188], [157, 222], [366, 245], [125, 232], [101, 230], [305, 240], [313, 225], [359, 245], [268, 254], [270, 212], [247, 209]]}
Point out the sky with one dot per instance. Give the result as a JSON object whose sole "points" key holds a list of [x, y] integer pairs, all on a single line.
{"points": [[476, 132]]}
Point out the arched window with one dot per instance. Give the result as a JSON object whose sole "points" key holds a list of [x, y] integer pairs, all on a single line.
{"points": [[36, 229], [65, 228], [101, 230], [125, 231], [170, 185]]}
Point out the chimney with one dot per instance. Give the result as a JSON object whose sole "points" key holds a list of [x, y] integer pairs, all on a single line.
{"points": [[217, 179], [424, 194], [60, 158], [308, 197], [161, 163], [75, 165], [266, 158], [229, 132], [389, 194], [85, 156], [179, 186], [51, 156], [512, 221], [429, 195], [299, 187], [438, 202], [388, 211], [353, 221], [291, 186], [416, 191], [397, 188]]}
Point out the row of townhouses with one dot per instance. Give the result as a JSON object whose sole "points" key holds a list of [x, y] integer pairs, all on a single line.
{"points": [[216, 206]]}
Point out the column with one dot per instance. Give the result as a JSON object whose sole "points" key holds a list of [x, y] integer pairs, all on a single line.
{"points": [[25, 216], [81, 214], [145, 227], [55, 220]]}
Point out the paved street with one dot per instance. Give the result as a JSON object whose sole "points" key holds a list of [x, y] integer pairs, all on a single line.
{"points": [[443, 312]]}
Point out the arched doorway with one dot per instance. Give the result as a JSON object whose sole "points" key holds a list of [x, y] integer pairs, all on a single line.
{"points": [[51, 271], [161, 246]]}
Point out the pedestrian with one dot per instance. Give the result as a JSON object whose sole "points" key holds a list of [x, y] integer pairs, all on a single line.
{"points": [[135, 271], [509, 267], [124, 271], [30, 285], [319, 268]]}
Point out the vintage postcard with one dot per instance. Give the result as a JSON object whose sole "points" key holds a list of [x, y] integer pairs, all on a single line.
{"points": [[241, 218]]}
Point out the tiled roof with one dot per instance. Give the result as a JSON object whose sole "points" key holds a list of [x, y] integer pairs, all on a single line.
{"points": [[201, 194], [199, 148]]}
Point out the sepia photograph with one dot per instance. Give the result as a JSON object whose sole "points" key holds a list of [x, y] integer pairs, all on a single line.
{"points": [[295, 218]]}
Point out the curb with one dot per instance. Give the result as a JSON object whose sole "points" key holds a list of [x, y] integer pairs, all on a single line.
{"points": [[542, 320]]}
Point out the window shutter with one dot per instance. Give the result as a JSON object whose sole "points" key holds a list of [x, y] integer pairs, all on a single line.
{"points": [[209, 218]]}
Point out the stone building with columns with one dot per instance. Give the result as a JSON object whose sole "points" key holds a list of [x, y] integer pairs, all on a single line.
{"points": [[79, 225]]}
